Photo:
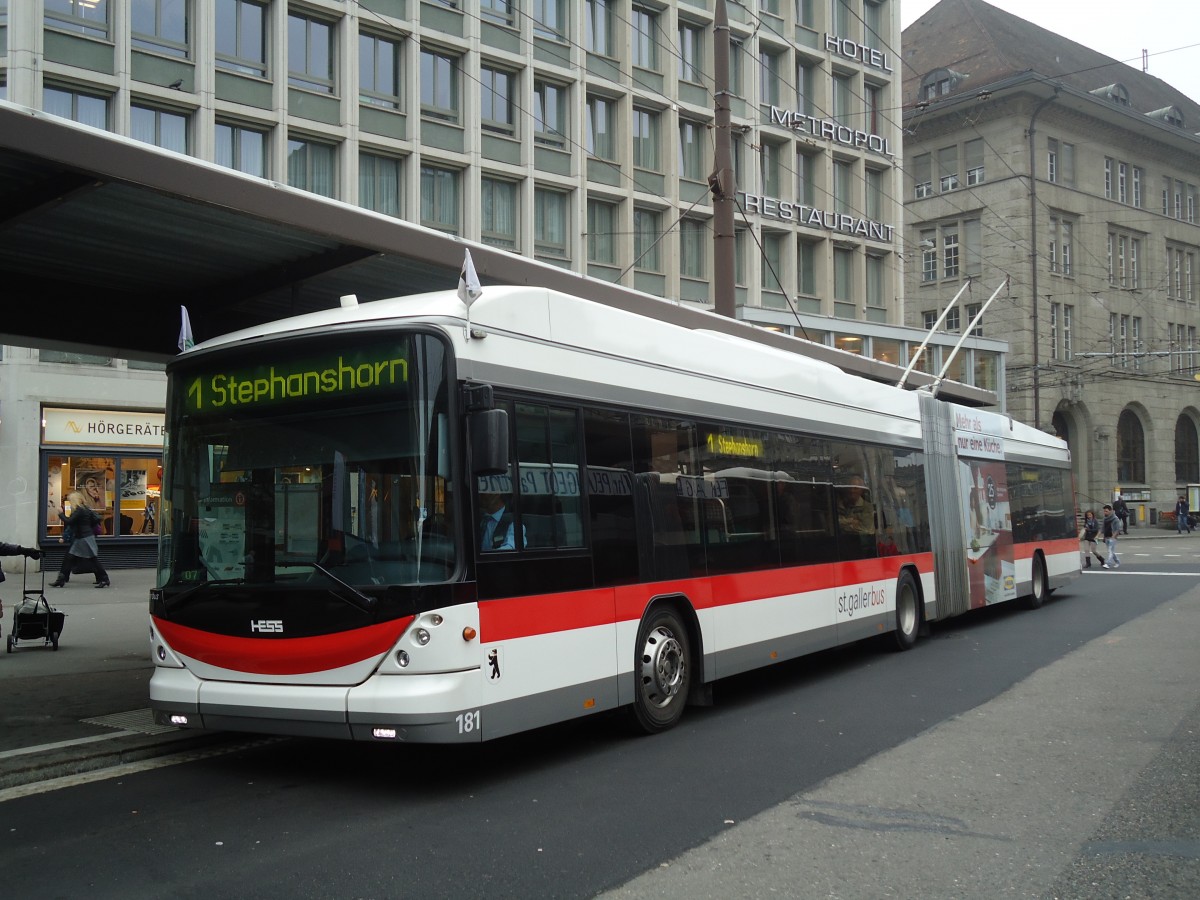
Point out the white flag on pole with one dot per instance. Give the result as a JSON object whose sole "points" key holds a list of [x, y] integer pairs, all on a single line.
{"points": [[186, 340], [469, 288]]}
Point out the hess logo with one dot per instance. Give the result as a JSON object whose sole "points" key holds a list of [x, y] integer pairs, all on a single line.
{"points": [[274, 626]]}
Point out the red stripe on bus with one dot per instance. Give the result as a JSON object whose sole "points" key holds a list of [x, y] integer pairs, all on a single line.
{"points": [[1049, 548], [518, 617], [283, 656]]}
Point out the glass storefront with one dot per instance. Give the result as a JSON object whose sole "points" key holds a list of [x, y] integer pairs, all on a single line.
{"points": [[122, 490], [113, 460]]}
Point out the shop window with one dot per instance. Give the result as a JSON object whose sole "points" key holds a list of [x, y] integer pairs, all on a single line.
{"points": [[123, 492]]}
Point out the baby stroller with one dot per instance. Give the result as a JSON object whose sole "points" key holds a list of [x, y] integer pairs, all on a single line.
{"points": [[34, 619]]}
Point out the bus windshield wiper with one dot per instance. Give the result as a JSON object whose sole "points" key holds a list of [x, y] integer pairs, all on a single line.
{"points": [[355, 597], [194, 590]]}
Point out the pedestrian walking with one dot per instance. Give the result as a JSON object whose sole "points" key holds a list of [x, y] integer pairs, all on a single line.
{"points": [[1111, 527], [1122, 512], [82, 553], [1091, 528], [1182, 519]]}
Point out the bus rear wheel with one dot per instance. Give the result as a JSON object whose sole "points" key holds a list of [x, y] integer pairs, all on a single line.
{"points": [[663, 671], [908, 612]]}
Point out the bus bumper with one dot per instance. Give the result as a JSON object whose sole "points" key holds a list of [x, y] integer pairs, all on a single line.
{"points": [[429, 708]]}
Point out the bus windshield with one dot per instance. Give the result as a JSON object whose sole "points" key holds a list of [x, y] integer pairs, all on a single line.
{"points": [[322, 462]]}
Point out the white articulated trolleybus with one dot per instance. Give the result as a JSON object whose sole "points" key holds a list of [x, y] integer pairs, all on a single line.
{"points": [[384, 523]]}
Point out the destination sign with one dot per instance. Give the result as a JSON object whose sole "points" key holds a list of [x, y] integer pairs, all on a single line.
{"points": [[340, 374]]}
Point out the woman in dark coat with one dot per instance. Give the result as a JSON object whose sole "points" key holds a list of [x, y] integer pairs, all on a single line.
{"points": [[81, 525]]}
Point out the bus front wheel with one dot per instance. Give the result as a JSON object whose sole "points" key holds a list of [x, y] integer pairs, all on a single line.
{"points": [[663, 671], [908, 611], [1040, 588]]}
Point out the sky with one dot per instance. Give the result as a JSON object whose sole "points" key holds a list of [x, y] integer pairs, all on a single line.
{"points": [[1117, 28]]}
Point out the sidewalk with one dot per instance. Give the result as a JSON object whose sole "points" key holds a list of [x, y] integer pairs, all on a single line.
{"points": [[86, 705]]}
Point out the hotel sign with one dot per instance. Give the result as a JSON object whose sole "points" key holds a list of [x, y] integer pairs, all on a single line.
{"points": [[829, 130], [868, 56]]}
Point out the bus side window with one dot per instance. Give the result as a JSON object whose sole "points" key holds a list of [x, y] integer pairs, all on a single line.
{"points": [[550, 507]]}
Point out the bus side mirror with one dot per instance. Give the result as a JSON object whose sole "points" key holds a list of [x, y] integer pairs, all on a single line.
{"points": [[489, 442]]}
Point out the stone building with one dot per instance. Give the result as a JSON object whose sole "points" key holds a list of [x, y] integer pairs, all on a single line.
{"points": [[1032, 158]]}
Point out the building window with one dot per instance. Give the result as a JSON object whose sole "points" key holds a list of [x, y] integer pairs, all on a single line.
{"points": [[1137, 187], [598, 27], [972, 238], [922, 175], [499, 12], [806, 265], [310, 54], [161, 26], [1123, 182], [550, 223], [875, 277], [771, 274], [769, 62], [380, 184], [601, 232], [691, 56], [770, 166], [550, 19], [242, 148], [840, 17], [929, 256], [1135, 280], [843, 99], [645, 25], [1066, 164], [646, 139], [241, 37], [874, 187], [974, 154], [601, 141], [439, 86], [1108, 178], [806, 169], [440, 198], [928, 319], [843, 274], [1061, 235], [806, 13], [1052, 160], [1131, 449], [804, 88], [378, 71], [550, 113], [843, 187], [1068, 328], [948, 168], [691, 150], [88, 17], [950, 251], [737, 52], [498, 212], [1054, 308], [873, 97], [160, 127], [310, 166], [647, 234], [972, 311], [496, 89], [693, 240], [86, 109]]}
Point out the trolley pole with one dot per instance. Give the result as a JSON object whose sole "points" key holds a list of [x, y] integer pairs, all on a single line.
{"points": [[722, 182]]}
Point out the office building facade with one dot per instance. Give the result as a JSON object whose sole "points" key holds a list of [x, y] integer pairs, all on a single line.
{"points": [[1032, 158]]}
